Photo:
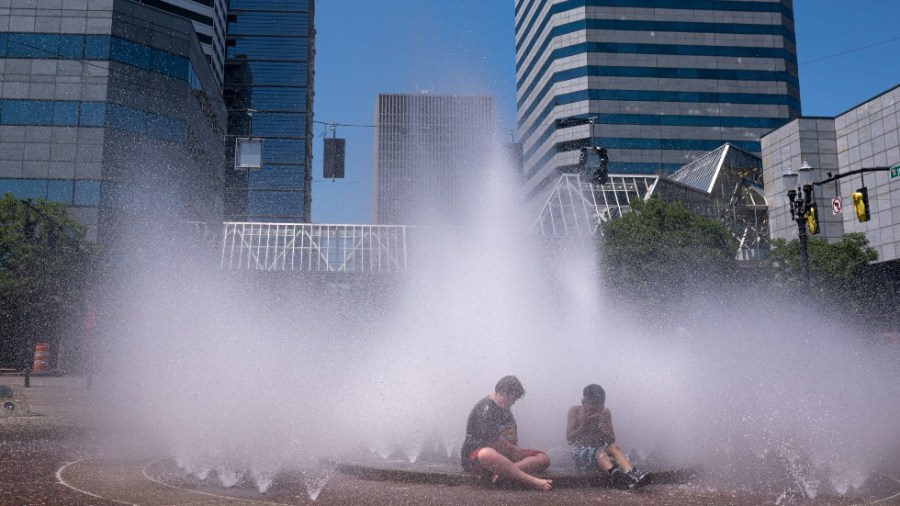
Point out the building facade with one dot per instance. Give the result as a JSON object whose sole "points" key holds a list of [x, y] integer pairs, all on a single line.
{"points": [[111, 108], [208, 18], [656, 82], [427, 149], [270, 48], [866, 136]]}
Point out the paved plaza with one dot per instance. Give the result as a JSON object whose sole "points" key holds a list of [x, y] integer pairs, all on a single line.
{"points": [[55, 458]]}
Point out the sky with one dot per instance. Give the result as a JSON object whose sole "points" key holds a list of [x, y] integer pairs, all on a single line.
{"points": [[848, 53]]}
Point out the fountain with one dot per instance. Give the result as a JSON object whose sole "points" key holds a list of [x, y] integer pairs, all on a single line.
{"points": [[242, 381]]}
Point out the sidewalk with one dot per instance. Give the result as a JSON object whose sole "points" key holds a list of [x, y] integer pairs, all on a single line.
{"points": [[58, 397]]}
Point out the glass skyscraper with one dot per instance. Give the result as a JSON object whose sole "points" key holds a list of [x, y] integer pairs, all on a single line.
{"points": [[656, 82], [268, 92], [111, 109], [208, 19]]}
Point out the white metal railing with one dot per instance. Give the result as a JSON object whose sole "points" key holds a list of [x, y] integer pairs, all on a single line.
{"points": [[307, 247]]}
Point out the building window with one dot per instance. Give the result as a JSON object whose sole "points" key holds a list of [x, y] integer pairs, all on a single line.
{"points": [[92, 114], [60, 190], [87, 193], [27, 112]]}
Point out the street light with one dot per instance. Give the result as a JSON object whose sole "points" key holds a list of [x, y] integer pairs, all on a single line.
{"points": [[248, 151], [801, 203]]}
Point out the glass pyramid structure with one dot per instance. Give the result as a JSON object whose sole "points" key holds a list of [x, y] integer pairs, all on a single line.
{"points": [[724, 184]]}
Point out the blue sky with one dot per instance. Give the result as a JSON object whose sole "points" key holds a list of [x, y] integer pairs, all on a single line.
{"points": [[848, 53]]}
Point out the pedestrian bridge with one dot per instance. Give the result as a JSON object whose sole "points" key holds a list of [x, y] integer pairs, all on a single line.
{"points": [[307, 247]]}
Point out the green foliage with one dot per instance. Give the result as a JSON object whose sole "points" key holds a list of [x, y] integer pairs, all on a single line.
{"points": [[662, 250], [45, 267], [841, 274]]}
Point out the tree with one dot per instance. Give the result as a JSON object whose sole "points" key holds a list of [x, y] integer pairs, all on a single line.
{"points": [[842, 276], [46, 264], [661, 250]]}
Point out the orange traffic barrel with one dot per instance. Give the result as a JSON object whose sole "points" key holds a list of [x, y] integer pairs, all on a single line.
{"points": [[41, 354]]}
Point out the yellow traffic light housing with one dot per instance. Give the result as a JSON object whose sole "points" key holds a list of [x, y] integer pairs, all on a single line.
{"points": [[861, 204], [812, 220]]}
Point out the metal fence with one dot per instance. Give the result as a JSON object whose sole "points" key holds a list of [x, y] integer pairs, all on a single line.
{"points": [[306, 247]]}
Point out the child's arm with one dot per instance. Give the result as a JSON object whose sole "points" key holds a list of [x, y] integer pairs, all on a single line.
{"points": [[577, 426], [606, 427]]}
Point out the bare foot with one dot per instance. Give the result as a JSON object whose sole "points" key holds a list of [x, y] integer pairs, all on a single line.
{"points": [[541, 484]]}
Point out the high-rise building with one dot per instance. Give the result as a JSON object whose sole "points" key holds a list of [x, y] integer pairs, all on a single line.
{"points": [[270, 46], [656, 82], [427, 148], [208, 18], [112, 109]]}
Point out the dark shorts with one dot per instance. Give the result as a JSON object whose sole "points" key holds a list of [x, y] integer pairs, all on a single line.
{"points": [[474, 466], [585, 457]]}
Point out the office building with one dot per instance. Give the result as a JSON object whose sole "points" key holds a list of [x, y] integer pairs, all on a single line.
{"points": [[866, 136], [208, 18], [428, 148], [270, 48], [656, 82], [111, 108]]}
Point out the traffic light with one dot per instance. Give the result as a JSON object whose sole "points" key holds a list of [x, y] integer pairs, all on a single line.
{"points": [[594, 164], [333, 167], [812, 220], [861, 204]]}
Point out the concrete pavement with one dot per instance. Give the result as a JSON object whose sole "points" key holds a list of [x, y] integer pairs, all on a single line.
{"points": [[55, 458]]}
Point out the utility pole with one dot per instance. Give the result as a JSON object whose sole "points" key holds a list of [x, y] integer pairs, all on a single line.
{"points": [[28, 235]]}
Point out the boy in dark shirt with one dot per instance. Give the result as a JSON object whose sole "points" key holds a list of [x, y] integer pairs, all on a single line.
{"points": [[491, 445], [590, 431]]}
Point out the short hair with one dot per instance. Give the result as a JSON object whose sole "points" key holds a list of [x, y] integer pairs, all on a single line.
{"points": [[510, 385], [595, 393]]}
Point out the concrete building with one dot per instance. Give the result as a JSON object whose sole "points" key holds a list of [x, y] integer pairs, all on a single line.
{"points": [[270, 48], [208, 18], [658, 83], [865, 136], [427, 147], [111, 108]]}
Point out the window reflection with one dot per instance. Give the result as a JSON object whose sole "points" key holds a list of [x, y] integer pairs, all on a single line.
{"points": [[267, 70], [274, 203], [64, 191]]}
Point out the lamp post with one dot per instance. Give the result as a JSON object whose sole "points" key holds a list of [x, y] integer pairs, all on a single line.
{"points": [[800, 201]]}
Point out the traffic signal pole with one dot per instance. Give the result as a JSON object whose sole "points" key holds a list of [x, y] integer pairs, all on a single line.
{"points": [[861, 195], [852, 173]]}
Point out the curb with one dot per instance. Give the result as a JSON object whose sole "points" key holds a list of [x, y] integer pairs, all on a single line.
{"points": [[456, 478]]}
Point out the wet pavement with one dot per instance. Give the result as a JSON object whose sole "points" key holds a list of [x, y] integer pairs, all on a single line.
{"points": [[50, 459]]}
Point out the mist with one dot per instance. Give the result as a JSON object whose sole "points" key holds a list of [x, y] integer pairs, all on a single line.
{"points": [[243, 375]]}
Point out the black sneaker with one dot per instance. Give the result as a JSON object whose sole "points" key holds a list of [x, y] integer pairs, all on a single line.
{"points": [[619, 479], [636, 478]]}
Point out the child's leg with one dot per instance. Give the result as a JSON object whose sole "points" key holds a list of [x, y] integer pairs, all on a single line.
{"points": [[619, 457], [603, 461], [503, 468], [534, 462]]}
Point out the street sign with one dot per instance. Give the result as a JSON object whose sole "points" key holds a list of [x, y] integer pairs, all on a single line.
{"points": [[895, 171], [836, 205]]}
